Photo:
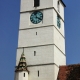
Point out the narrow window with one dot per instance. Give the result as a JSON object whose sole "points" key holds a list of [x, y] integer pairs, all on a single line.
{"points": [[36, 3], [36, 33], [38, 73], [34, 53], [58, 6], [58, 21], [24, 74]]}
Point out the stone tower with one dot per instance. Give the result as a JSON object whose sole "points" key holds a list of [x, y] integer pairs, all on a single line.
{"points": [[42, 37]]}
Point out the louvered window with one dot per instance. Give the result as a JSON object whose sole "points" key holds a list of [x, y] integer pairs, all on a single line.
{"points": [[58, 21]]}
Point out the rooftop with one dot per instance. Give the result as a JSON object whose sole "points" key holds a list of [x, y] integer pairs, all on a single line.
{"points": [[69, 72]]}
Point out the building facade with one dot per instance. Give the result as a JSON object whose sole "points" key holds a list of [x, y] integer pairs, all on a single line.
{"points": [[41, 38]]}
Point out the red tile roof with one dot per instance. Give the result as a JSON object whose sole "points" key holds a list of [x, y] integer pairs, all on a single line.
{"points": [[70, 72]]}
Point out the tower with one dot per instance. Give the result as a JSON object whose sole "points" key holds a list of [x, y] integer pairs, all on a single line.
{"points": [[41, 35], [21, 72]]}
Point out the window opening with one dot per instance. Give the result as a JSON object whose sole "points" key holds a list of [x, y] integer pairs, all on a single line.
{"points": [[34, 53], [36, 33], [24, 74], [38, 73], [36, 3]]}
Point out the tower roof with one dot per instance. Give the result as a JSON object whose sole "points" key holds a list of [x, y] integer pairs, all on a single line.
{"points": [[22, 66], [63, 3]]}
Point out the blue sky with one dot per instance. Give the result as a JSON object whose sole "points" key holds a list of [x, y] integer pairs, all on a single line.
{"points": [[9, 25]]}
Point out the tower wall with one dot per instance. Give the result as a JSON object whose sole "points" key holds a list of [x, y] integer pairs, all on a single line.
{"points": [[50, 19], [43, 43], [45, 55], [45, 36], [61, 12], [29, 38], [28, 5], [61, 29], [46, 72], [25, 22], [48, 4], [21, 76]]}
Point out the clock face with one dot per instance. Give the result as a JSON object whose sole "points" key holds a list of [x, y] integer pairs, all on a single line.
{"points": [[36, 17]]}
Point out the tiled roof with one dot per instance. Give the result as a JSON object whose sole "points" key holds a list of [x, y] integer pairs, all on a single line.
{"points": [[22, 66], [70, 72]]}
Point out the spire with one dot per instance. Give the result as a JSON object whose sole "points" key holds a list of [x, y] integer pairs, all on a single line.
{"points": [[22, 66]]}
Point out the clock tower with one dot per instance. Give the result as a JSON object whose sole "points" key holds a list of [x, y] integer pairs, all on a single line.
{"points": [[41, 39]]}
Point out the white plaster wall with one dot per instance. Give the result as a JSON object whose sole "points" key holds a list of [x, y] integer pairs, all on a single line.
{"points": [[55, 4], [61, 8], [16, 76], [29, 37], [47, 19], [59, 40], [59, 57], [61, 29], [28, 5], [24, 20], [56, 70], [44, 55], [45, 72], [26, 75], [20, 75]]}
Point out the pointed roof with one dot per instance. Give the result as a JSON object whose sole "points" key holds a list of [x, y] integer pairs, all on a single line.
{"points": [[22, 66]]}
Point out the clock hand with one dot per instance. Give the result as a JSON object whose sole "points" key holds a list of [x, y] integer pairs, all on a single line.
{"points": [[38, 18]]}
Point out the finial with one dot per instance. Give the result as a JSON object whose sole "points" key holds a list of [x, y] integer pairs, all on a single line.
{"points": [[22, 55]]}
